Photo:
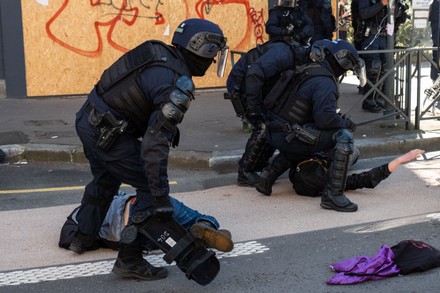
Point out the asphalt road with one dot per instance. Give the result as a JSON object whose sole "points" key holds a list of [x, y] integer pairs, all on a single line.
{"points": [[283, 243]]}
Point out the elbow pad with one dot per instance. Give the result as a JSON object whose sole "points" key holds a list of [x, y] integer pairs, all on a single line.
{"points": [[179, 100]]}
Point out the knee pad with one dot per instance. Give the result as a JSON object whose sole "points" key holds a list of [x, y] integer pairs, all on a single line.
{"points": [[375, 69], [344, 142], [179, 245]]}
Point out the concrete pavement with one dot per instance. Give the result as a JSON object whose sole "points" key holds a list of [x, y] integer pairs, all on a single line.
{"points": [[42, 129], [408, 196], [212, 137]]}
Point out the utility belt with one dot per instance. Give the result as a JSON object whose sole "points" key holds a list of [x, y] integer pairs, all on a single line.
{"points": [[238, 103], [308, 135], [109, 126], [373, 30]]}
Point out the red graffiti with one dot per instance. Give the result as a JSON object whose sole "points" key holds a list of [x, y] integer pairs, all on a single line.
{"points": [[253, 18], [258, 21], [125, 14]]}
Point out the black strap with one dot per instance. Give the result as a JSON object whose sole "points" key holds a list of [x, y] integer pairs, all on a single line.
{"points": [[179, 247]]}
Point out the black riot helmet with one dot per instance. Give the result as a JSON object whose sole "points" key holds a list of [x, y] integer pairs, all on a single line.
{"points": [[205, 40], [342, 56]]}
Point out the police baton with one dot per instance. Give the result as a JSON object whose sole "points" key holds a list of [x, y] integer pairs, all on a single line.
{"points": [[378, 118]]}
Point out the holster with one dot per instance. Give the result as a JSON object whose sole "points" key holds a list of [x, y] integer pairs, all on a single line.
{"points": [[306, 135], [110, 128], [238, 103]]}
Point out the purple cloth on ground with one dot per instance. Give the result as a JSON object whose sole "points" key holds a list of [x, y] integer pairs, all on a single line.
{"points": [[363, 268]]}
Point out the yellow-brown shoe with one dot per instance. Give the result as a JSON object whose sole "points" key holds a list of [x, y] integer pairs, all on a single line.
{"points": [[213, 238]]}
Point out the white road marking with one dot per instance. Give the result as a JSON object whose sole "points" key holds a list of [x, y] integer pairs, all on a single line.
{"points": [[104, 267]]}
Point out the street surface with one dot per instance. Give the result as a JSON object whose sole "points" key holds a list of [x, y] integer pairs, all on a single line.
{"points": [[283, 243]]}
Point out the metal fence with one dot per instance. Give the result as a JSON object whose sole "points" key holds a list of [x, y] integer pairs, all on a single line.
{"points": [[398, 84]]}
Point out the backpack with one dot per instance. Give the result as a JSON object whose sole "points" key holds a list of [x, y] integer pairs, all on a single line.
{"points": [[309, 177]]}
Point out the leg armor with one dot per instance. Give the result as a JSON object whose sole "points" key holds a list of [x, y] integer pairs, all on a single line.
{"points": [[258, 151], [374, 70], [373, 74], [179, 245], [333, 194]]}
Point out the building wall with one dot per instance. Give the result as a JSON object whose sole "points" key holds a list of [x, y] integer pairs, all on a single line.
{"points": [[68, 43]]}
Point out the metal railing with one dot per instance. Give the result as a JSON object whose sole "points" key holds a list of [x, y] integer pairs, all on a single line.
{"points": [[401, 80]]}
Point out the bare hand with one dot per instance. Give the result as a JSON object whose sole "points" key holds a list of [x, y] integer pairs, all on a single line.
{"points": [[384, 2], [411, 155]]}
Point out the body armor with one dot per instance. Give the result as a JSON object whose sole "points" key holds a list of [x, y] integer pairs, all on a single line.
{"points": [[119, 85], [287, 104]]}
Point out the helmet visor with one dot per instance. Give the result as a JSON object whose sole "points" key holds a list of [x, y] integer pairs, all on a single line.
{"points": [[348, 61], [222, 58], [286, 3], [361, 72]]}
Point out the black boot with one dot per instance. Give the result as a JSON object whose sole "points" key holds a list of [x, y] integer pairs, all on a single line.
{"points": [[371, 105], [269, 175], [131, 264], [333, 197], [82, 243], [247, 178]]}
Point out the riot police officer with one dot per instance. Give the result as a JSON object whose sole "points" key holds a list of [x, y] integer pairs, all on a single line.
{"points": [[249, 81], [324, 22], [288, 19], [305, 122], [144, 94], [372, 29]]}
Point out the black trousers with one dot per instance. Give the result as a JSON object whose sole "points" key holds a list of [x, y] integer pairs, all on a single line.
{"points": [[121, 164]]}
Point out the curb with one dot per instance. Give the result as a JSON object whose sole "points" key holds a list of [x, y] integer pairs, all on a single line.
{"points": [[218, 160]]}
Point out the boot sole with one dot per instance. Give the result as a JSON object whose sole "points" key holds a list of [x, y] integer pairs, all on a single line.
{"points": [[339, 209], [213, 238], [263, 191], [130, 274], [245, 184]]}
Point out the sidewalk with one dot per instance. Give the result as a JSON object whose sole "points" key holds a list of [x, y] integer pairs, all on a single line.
{"points": [[42, 129]]}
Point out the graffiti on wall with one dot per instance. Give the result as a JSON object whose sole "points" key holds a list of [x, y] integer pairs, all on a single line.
{"points": [[103, 18], [68, 43]]}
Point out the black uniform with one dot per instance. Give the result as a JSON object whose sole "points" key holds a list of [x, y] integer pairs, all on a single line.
{"points": [[320, 11], [127, 160], [289, 21], [305, 122], [251, 79], [434, 20]]}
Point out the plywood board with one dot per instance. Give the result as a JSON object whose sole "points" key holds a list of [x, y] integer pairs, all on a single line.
{"points": [[68, 43]]}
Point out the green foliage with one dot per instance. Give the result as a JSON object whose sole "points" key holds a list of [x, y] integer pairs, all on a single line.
{"points": [[408, 36]]}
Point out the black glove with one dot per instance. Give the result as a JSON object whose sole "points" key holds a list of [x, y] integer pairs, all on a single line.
{"points": [[256, 119], [352, 126], [162, 207]]}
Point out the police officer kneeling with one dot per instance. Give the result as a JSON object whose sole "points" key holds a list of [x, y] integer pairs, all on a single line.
{"points": [[145, 94], [305, 122]]}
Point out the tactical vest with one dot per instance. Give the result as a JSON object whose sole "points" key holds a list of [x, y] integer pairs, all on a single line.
{"points": [[285, 103], [314, 12], [119, 85], [299, 51]]}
